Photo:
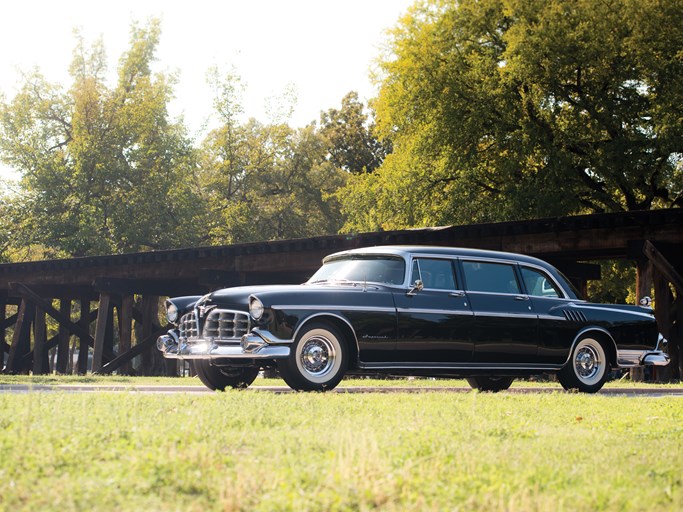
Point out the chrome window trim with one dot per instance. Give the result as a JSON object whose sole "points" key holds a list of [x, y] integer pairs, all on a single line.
{"points": [[519, 264], [499, 294], [345, 255], [512, 264], [415, 259]]}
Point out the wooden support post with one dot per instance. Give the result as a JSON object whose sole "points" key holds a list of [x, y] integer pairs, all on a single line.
{"points": [[126, 331], [644, 279], [84, 324], [4, 347], [153, 363], [138, 349], [644, 283], [663, 266], [101, 331], [667, 308], [63, 336], [40, 362], [676, 340], [21, 341]]}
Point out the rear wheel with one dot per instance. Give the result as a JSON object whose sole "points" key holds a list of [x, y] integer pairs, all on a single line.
{"points": [[493, 384], [587, 368], [318, 360], [221, 377]]}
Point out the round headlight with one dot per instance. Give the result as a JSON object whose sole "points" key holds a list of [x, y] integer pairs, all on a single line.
{"points": [[255, 308], [171, 312]]}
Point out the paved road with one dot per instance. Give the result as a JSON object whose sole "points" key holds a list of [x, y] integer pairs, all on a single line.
{"points": [[649, 391]]}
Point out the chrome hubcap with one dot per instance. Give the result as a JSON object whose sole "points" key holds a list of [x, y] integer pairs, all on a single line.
{"points": [[588, 364], [317, 356]]}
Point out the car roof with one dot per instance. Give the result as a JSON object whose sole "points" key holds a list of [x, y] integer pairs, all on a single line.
{"points": [[405, 250]]}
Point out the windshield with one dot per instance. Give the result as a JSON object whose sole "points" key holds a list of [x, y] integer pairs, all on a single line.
{"points": [[363, 269]]}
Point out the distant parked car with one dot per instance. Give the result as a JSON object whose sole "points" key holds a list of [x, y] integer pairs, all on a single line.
{"points": [[423, 311]]}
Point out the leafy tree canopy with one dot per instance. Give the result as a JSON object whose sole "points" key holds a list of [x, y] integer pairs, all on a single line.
{"points": [[265, 181], [511, 109], [103, 169], [349, 132]]}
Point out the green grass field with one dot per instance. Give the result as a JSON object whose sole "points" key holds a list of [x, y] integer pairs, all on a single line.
{"points": [[402, 451]]}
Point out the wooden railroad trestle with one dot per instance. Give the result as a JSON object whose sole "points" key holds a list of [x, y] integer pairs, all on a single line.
{"points": [[128, 289]]}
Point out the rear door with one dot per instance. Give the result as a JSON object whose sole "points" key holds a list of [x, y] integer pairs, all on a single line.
{"points": [[555, 331], [505, 329]]}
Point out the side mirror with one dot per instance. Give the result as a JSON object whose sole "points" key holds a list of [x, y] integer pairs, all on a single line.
{"points": [[645, 302], [417, 287]]}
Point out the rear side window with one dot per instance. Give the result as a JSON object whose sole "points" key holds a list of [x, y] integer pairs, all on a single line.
{"points": [[490, 277], [539, 285]]}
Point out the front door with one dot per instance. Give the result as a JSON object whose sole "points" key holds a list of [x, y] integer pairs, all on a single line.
{"points": [[434, 324]]}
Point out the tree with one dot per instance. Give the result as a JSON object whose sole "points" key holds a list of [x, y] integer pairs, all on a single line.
{"points": [[349, 132], [265, 181], [512, 109], [103, 170]]}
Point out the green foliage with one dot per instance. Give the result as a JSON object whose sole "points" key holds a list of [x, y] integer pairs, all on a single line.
{"points": [[398, 451], [349, 132], [617, 284], [511, 109], [265, 181], [103, 170]]}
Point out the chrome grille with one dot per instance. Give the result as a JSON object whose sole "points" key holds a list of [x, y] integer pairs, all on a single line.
{"points": [[188, 327], [222, 325]]}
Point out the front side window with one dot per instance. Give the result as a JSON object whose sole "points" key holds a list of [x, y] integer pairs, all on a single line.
{"points": [[490, 277], [539, 285], [435, 274]]}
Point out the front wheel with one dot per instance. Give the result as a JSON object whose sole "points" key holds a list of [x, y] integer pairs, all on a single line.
{"points": [[493, 384], [587, 368], [318, 360], [221, 377]]}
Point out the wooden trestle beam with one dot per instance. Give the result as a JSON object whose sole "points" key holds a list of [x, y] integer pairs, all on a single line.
{"points": [[573, 244]]}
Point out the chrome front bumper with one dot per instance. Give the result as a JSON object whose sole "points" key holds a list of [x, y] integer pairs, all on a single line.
{"points": [[252, 346], [633, 358]]}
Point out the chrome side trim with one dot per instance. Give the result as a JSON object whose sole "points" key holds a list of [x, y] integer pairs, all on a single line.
{"points": [[307, 307], [493, 314], [457, 366], [629, 358], [585, 331], [623, 312], [463, 312], [268, 337], [338, 317], [551, 317]]}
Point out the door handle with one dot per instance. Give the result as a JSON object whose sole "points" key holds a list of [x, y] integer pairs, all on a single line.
{"points": [[458, 294], [521, 297]]}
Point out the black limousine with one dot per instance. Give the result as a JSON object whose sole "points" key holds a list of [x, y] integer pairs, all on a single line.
{"points": [[424, 311]]}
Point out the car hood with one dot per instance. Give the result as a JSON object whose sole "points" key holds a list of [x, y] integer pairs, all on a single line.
{"points": [[238, 297]]}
